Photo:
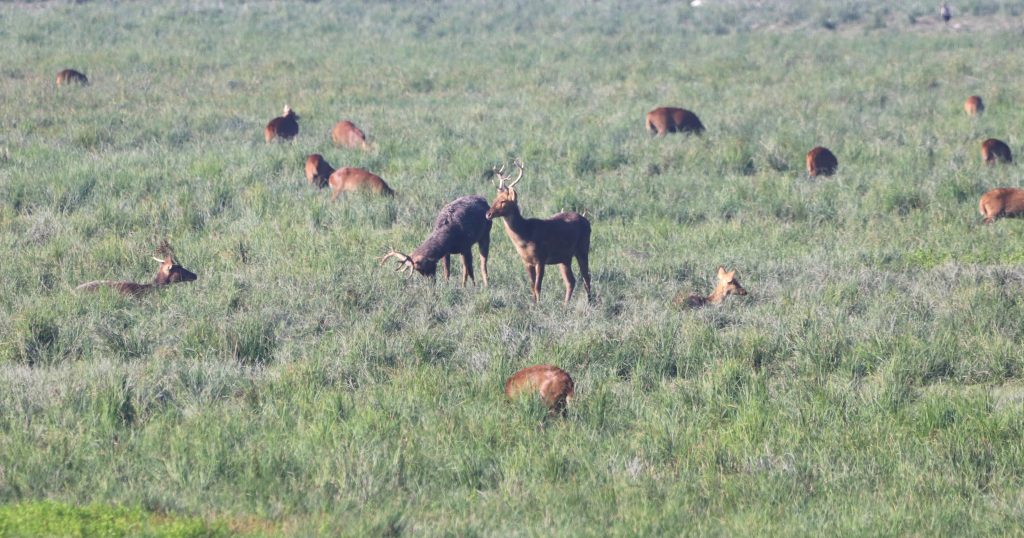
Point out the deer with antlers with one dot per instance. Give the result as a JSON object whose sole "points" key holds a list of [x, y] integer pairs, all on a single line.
{"points": [[543, 242], [459, 226], [170, 271]]}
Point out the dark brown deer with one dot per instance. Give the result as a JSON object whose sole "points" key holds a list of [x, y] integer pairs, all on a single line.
{"points": [[673, 120], [974, 105], [727, 285], [170, 271], [70, 76], [543, 242], [1004, 202], [993, 150], [459, 226], [821, 162], [345, 134], [318, 170], [284, 127], [553, 384], [350, 179]]}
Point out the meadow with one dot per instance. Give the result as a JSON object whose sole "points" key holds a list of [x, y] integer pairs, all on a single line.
{"points": [[871, 383]]}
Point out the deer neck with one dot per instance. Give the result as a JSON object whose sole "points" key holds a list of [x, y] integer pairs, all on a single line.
{"points": [[718, 295], [515, 224]]}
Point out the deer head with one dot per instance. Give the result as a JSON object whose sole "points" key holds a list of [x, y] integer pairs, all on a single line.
{"points": [[506, 199], [170, 270], [727, 285], [289, 113], [423, 266]]}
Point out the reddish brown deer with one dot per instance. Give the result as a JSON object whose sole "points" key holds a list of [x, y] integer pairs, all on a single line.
{"points": [[821, 162], [543, 242], [664, 120], [350, 179], [993, 150], [284, 127], [727, 285], [1004, 202], [69, 76], [553, 384], [170, 271], [347, 135], [318, 170], [459, 226], [974, 105]]}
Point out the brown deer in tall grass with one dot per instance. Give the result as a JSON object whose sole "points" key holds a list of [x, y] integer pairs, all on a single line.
{"points": [[70, 76], [284, 127], [458, 226], [821, 162], [350, 179], [727, 285], [1004, 202], [170, 271], [318, 170], [347, 135], [664, 120], [543, 242], [993, 150], [553, 384], [974, 105]]}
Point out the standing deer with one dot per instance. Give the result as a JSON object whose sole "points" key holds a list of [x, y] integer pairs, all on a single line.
{"points": [[350, 179], [1004, 202], [459, 226], [821, 161], [993, 150], [318, 170], [347, 135], [170, 271], [284, 127], [543, 242], [727, 285], [974, 105], [69, 76], [553, 384], [673, 120]]}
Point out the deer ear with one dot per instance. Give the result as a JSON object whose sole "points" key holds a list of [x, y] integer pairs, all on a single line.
{"points": [[721, 272]]}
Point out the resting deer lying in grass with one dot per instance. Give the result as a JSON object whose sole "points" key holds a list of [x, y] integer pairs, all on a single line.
{"points": [[821, 161], [347, 135], [974, 106], [318, 170], [727, 285], [69, 76], [170, 271], [459, 226], [544, 242], [284, 127], [673, 120], [553, 384], [993, 150], [1004, 202], [350, 179]]}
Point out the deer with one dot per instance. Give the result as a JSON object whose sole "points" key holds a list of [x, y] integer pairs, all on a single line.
{"points": [[459, 225], [543, 242], [945, 13], [346, 134], [663, 120], [350, 179], [284, 127], [974, 106], [727, 285], [821, 162], [993, 150], [69, 76], [318, 170], [553, 384], [1003, 202], [169, 272]]}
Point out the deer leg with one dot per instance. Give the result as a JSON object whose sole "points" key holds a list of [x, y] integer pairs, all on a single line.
{"points": [[540, 278], [334, 196], [485, 247], [584, 261], [467, 266], [531, 271], [570, 280], [446, 262]]}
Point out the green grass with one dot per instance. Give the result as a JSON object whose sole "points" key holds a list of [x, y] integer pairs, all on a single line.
{"points": [[872, 383]]}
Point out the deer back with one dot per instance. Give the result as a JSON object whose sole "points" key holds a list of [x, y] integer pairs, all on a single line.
{"points": [[350, 179], [821, 161], [673, 120], [458, 226], [346, 134], [993, 150], [1001, 202], [68, 76], [553, 384]]}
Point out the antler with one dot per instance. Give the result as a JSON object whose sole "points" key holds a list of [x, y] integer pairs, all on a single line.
{"points": [[502, 178], [405, 262], [164, 250]]}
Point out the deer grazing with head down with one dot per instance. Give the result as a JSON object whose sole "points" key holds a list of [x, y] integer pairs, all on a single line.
{"points": [[70, 76], [727, 285], [994, 150], [821, 162], [664, 120], [1004, 202], [170, 271], [459, 226], [974, 105], [347, 135], [351, 179], [541, 242], [283, 127], [553, 384], [318, 170]]}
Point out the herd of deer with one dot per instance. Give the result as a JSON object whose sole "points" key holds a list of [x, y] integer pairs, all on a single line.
{"points": [[540, 242]]}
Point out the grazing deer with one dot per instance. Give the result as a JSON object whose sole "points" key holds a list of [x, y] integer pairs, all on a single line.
{"points": [[284, 127], [69, 76], [673, 120], [553, 384], [1004, 202], [544, 242], [993, 150], [318, 170], [727, 285], [821, 161], [459, 226], [974, 106], [170, 271], [350, 179], [347, 135]]}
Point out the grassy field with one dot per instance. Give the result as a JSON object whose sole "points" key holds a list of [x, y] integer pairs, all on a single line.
{"points": [[872, 383]]}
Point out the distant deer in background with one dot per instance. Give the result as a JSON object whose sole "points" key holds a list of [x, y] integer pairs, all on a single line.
{"points": [[284, 127], [945, 13], [459, 226], [1004, 202], [974, 105], [553, 384], [347, 135], [727, 285], [69, 76], [350, 179], [821, 162], [170, 271], [543, 242], [993, 150], [664, 120], [318, 170]]}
